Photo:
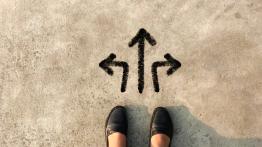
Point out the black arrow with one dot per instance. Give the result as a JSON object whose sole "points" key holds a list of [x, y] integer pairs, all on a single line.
{"points": [[140, 38], [109, 62], [170, 62]]}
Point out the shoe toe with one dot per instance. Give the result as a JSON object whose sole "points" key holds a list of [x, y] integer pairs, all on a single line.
{"points": [[161, 122], [117, 121]]}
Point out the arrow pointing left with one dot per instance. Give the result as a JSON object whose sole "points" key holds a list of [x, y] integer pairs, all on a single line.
{"points": [[109, 61]]}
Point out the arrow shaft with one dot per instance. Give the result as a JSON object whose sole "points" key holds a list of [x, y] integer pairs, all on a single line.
{"points": [[155, 65], [140, 38], [125, 67], [141, 55]]}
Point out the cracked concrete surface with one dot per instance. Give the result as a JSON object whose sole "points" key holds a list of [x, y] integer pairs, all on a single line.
{"points": [[53, 93]]}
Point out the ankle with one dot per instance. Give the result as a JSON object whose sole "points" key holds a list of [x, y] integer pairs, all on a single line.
{"points": [[160, 140], [117, 140]]}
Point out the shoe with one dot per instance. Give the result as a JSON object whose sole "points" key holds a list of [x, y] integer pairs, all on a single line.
{"points": [[161, 123], [116, 122]]}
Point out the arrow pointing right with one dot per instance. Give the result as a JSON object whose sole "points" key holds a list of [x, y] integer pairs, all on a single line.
{"points": [[175, 64]]}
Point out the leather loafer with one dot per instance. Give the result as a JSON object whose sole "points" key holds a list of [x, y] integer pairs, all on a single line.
{"points": [[116, 122], [161, 123]]}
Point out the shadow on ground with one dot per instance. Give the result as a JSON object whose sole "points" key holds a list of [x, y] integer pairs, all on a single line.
{"points": [[189, 131]]}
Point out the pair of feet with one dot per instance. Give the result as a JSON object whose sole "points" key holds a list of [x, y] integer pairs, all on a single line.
{"points": [[161, 128]]}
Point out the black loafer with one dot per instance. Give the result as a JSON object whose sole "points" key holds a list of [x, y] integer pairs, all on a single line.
{"points": [[161, 123], [116, 122]]}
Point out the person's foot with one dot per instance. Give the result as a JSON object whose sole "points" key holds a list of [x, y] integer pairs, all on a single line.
{"points": [[161, 128], [116, 127]]}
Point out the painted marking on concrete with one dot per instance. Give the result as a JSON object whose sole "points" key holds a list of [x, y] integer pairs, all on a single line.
{"points": [[109, 61], [170, 61], [140, 38]]}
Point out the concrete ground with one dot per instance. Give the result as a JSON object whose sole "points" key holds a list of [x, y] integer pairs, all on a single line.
{"points": [[53, 93]]}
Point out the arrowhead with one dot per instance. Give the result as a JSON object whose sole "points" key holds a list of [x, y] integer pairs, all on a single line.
{"points": [[141, 35], [175, 64], [106, 62]]}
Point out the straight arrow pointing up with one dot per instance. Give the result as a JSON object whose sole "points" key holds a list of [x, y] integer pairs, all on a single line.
{"points": [[140, 38]]}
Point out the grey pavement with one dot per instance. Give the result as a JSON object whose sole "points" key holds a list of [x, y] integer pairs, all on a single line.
{"points": [[53, 93]]}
